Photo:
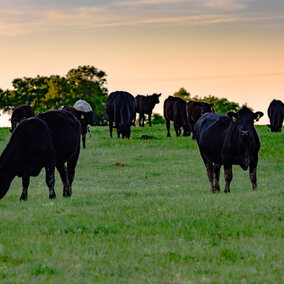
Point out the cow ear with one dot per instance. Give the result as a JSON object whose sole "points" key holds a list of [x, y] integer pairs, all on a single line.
{"points": [[159, 94], [232, 115], [257, 115]]}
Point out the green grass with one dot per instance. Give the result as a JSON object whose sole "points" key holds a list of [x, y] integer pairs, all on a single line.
{"points": [[142, 211]]}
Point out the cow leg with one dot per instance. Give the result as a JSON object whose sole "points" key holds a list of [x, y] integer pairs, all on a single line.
{"points": [[177, 129], [89, 130], [150, 115], [210, 173], [25, 183], [228, 173], [110, 127], [143, 119], [49, 179], [252, 175], [84, 140], [216, 177], [63, 175], [71, 165], [168, 127]]}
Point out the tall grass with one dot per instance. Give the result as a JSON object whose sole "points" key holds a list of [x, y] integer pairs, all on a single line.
{"points": [[142, 211]]}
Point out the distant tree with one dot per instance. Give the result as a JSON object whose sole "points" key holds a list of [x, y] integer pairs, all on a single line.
{"points": [[45, 93], [157, 119], [221, 106], [183, 94]]}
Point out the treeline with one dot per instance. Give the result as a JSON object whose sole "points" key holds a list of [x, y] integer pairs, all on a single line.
{"points": [[85, 82], [221, 106], [44, 93]]}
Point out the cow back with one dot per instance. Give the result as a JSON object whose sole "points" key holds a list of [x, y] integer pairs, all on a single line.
{"points": [[66, 130], [276, 115]]}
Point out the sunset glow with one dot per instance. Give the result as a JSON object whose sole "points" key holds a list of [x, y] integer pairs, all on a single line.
{"points": [[226, 48]]}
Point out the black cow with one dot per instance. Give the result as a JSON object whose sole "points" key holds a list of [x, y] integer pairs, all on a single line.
{"points": [[145, 105], [194, 110], [85, 118], [48, 140], [174, 110], [121, 110], [276, 115], [20, 113], [228, 140]]}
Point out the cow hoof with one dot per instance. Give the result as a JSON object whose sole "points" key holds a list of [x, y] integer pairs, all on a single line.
{"points": [[67, 194], [52, 195], [23, 197]]}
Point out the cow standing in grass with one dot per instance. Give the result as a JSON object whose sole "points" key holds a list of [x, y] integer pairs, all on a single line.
{"points": [[145, 105], [194, 110], [276, 115], [82, 110], [48, 140], [20, 113], [174, 109], [121, 110], [228, 140]]}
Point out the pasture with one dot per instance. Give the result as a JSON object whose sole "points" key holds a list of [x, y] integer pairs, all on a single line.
{"points": [[142, 211]]}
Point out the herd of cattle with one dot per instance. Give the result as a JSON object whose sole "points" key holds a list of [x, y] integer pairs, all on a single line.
{"points": [[52, 139]]}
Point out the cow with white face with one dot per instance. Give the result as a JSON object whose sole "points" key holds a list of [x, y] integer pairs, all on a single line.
{"points": [[82, 110]]}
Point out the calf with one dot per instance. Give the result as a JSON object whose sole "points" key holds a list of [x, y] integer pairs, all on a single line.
{"points": [[174, 109], [276, 115], [145, 105], [194, 110], [83, 112], [48, 140], [20, 113], [121, 110], [228, 140]]}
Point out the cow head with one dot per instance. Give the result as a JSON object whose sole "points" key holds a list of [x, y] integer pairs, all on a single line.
{"points": [[207, 108], [156, 98], [244, 119]]}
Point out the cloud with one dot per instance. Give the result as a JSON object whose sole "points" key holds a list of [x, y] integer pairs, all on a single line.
{"points": [[151, 2], [226, 5]]}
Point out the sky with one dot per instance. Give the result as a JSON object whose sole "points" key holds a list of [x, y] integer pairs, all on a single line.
{"points": [[226, 48]]}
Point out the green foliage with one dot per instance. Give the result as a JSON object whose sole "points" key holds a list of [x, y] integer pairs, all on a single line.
{"points": [[153, 220], [221, 106], [183, 94], [157, 119], [53, 92]]}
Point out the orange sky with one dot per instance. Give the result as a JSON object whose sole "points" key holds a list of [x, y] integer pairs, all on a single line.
{"points": [[226, 48]]}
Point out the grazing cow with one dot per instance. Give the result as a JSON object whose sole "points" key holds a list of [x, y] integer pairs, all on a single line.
{"points": [[145, 105], [48, 140], [276, 115], [20, 113], [194, 110], [228, 140], [174, 109], [121, 110], [83, 112]]}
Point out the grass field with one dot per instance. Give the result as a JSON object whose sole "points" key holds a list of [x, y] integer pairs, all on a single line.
{"points": [[142, 211]]}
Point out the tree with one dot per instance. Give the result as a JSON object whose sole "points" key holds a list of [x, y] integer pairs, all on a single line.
{"points": [[45, 93], [183, 94], [221, 106], [158, 119]]}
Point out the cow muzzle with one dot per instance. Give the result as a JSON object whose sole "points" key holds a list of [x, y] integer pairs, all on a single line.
{"points": [[245, 134]]}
